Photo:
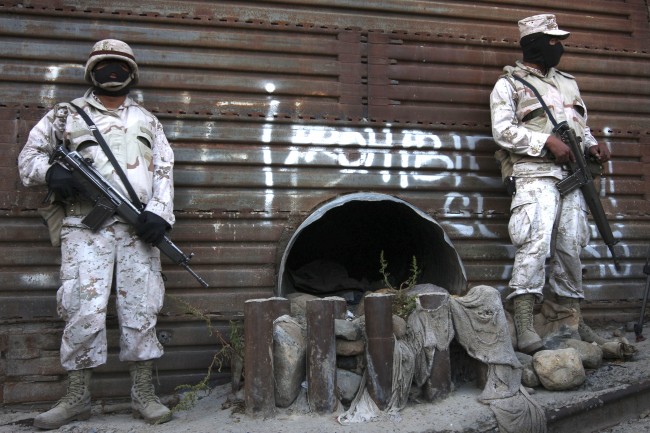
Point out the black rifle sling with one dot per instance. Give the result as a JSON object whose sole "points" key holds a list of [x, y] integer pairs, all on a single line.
{"points": [[541, 100], [111, 157]]}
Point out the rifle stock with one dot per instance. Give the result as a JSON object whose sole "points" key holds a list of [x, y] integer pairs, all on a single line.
{"points": [[581, 177], [108, 201]]}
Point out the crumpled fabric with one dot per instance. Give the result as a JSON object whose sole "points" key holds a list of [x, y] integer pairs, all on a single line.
{"points": [[478, 321], [364, 409], [554, 318], [482, 329], [519, 413], [621, 349], [429, 330]]}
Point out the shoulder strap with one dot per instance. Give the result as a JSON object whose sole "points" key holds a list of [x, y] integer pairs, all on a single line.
{"points": [[109, 154], [541, 100]]}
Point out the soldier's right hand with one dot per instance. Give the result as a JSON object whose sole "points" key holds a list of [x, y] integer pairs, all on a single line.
{"points": [[60, 181], [561, 152]]}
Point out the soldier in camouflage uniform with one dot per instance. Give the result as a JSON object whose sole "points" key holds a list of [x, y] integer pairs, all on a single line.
{"points": [[542, 224], [117, 251]]}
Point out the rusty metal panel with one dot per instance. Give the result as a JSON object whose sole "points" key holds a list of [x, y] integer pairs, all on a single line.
{"points": [[274, 108]]}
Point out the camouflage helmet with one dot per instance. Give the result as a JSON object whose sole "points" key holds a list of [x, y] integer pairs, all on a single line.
{"points": [[111, 49]]}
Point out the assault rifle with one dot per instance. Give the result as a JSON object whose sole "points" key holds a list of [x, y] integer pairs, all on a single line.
{"points": [[581, 178], [108, 201]]}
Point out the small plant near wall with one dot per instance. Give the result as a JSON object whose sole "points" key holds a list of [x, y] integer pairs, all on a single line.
{"points": [[403, 305], [231, 353]]}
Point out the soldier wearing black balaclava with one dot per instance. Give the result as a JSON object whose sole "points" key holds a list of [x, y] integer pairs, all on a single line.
{"points": [[543, 225], [541, 50]]}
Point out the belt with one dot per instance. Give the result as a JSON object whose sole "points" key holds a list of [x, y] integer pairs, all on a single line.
{"points": [[78, 208]]}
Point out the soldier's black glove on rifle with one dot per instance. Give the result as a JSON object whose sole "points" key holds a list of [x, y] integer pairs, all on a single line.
{"points": [[108, 202], [151, 228], [61, 181]]}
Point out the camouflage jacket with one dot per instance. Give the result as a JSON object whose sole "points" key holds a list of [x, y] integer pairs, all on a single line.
{"points": [[134, 135], [521, 127]]}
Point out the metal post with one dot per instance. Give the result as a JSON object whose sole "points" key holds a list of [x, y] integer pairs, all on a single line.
{"points": [[381, 343], [259, 386], [340, 307], [321, 355]]}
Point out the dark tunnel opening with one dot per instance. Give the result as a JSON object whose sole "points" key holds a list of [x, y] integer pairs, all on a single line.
{"points": [[337, 249]]}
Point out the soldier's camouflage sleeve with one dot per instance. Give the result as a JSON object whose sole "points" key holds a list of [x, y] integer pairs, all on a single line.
{"points": [[33, 160], [590, 140], [162, 200], [507, 131]]}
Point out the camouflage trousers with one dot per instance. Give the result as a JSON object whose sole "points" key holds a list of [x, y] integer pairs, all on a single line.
{"points": [[535, 209], [91, 262]]}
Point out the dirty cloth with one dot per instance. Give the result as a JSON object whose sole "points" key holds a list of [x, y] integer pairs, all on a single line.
{"points": [[481, 326], [363, 408], [556, 319], [519, 413], [482, 329], [556, 322], [428, 330], [478, 322]]}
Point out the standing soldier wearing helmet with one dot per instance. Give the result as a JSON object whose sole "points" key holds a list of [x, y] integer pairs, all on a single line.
{"points": [[542, 223], [117, 252]]}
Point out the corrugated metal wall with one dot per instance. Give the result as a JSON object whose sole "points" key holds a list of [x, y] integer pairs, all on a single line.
{"points": [[273, 108]]}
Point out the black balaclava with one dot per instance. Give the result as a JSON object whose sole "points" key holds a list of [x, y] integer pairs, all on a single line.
{"points": [[538, 50], [105, 85]]}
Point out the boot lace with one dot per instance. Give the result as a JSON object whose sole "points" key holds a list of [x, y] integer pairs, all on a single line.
{"points": [[143, 385], [76, 389], [524, 317]]}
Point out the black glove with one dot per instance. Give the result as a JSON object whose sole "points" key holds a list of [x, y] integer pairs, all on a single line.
{"points": [[60, 181], [151, 228]]}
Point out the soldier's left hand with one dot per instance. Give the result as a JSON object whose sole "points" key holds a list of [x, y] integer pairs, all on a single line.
{"points": [[61, 181], [600, 152]]}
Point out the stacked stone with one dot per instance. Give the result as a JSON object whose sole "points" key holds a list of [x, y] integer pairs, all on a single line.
{"points": [[290, 341]]}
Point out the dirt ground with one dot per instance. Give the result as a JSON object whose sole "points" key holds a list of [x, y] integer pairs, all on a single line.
{"points": [[218, 411]]}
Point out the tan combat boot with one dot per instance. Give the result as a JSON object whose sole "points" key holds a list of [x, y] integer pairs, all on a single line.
{"points": [[144, 402], [527, 339], [586, 333], [74, 406]]}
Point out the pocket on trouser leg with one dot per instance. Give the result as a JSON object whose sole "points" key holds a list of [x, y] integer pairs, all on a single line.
{"points": [[583, 229], [68, 296], [156, 286], [519, 225], [141, 303]]}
